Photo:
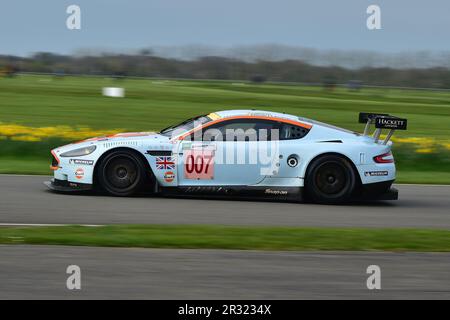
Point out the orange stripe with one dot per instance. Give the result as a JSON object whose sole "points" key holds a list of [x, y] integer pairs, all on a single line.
{"points": [[297, 123]]}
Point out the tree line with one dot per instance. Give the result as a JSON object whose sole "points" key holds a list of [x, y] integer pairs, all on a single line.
{"points": [[222, 68]]}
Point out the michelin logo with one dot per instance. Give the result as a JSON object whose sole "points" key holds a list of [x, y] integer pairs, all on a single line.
{"points": [[375, 173], [81, 162]]}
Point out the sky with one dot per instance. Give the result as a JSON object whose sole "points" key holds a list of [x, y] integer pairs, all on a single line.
{"points": [[40, 25]]}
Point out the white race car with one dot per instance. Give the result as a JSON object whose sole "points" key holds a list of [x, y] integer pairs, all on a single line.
{"points": [[237, 153]]}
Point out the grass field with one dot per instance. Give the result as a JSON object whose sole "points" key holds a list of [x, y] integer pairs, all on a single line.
{"points": [[43, 101], [227, 237], [153, 104]]}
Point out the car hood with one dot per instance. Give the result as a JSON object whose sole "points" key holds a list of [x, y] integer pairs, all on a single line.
{"points": [[127, 136]]}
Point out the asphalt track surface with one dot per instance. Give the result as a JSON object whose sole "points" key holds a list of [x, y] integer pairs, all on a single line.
{"points": [[25, 200], [30, 272]]}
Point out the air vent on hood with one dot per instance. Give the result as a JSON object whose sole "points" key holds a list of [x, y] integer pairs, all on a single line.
{"points": [[159, 153]]}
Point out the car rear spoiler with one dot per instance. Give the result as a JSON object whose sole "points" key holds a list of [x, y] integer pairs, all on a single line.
{"points": [[382, 121]]}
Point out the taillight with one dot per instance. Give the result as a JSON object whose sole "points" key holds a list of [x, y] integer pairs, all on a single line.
{"points": [[55, 161], [384, 158]]}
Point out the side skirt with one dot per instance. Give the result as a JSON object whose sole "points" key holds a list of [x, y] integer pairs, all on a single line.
{"points": [[237, 192]]}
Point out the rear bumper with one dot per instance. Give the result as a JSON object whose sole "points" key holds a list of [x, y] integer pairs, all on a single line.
{"points": [[379, 191], [66, 186]]}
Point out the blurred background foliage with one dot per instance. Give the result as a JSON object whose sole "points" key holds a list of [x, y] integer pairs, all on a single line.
{"points": [[333, 68]]}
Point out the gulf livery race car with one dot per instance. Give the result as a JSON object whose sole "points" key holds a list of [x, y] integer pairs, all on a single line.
{"points": [[237, 153]]}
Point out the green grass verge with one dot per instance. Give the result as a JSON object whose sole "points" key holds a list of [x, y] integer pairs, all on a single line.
{"points": [[25, 166], [423, 177], [227, 237]]}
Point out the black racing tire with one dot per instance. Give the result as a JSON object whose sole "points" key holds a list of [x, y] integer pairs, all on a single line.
{"points": [[121, 173], [330, 179]]}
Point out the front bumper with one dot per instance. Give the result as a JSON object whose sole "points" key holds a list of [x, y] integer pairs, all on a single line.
{"points": [[66, 186]]}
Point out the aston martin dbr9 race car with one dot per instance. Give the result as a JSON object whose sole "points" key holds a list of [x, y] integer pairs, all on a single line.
{"points": [[238, 153]]}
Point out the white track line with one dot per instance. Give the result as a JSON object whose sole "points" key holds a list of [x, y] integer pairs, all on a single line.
{"points": [[47, 225]]}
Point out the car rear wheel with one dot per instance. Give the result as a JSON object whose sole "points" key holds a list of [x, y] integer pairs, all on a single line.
{"points": [[121, 173], [330, 179]]}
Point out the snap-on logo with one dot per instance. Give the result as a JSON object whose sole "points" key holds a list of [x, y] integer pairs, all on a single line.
{"points": [[275, 192]]}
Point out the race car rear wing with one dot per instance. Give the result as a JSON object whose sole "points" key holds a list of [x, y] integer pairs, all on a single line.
{"points": [[382, 121]]}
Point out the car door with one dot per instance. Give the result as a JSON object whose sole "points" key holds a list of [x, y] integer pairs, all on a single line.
{"points": [[234, 152]]}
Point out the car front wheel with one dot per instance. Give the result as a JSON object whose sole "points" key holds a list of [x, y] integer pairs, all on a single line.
{"points": [[121, 173]]}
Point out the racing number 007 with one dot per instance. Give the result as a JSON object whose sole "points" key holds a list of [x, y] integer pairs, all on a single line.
{"points": [[199, 165]]}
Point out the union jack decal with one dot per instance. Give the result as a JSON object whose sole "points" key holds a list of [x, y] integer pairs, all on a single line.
{"points": [[165, 163]]}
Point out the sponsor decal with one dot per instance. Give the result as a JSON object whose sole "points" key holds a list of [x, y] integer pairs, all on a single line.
{"points": [[79, 173], [275, 192], [187, 145], [81, 162], [169, 176], [391, 123], [261, 114], [165, 163], [375, 173]]}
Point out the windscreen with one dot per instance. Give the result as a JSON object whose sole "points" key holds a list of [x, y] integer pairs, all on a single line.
{"points": [[185, 126]]}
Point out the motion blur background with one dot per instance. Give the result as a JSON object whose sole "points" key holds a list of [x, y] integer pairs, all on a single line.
{"points": [[177, 59]]}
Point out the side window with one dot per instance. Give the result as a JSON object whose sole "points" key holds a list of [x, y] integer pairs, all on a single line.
{"points": [[289, 132], [241, 130], [249, 130]]}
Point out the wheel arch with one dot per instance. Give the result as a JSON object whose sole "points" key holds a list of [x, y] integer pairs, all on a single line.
{"points": [[355, 170], [149, 171]]}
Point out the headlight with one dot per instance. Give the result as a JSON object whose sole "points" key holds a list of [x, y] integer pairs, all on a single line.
{"points": [[79, 152]]}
